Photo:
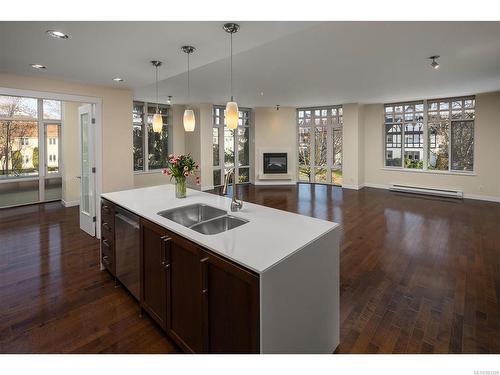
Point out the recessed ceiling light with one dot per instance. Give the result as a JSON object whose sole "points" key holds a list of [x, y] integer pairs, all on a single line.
{"points": [[434, 63], [118, 79], [57, 34], [38, 66]]}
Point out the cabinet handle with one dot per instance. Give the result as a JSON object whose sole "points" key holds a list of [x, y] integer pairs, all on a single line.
{"points": [[106, 209], [106, 226], [204, 276], [105, 259], [165, 251], [106, 243]]}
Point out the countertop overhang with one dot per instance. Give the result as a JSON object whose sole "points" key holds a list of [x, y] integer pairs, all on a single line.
{"points": [[270, 236]]}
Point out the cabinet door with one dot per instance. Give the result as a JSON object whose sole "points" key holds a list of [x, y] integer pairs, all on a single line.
{"points": [[154, 241], [184, 300], [230, 307]]}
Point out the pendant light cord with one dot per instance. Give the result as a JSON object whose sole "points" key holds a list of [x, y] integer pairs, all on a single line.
{"points": [[231, 66], [189, 96], [156, 75]]}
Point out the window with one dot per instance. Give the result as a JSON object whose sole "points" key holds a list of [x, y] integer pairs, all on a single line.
{"points": [[447, 129], [24, 125], [231, 147], [150, 149], [320, 144], [18, 125], [404, 121]]}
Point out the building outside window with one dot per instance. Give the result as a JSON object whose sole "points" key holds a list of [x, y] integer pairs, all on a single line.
{"points": [[231, 147], [150, 149], [438, 134], [320, 144]]}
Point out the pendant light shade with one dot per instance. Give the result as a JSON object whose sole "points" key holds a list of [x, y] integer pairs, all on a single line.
{"points": [[157, 119], [157, 123], [232, 112], [189, 120], [232, 115]]}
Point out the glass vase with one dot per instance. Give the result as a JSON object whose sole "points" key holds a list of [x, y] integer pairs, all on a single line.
{"points": [[180, 187]]}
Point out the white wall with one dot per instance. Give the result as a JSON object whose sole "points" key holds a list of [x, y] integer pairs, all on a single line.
{"points": [[199, 144], [116, 123], [275, 130], [483, 183], [352, 146]]}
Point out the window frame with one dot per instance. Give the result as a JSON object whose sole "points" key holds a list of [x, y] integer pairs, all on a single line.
{"points": [[221, 134], [331, 127], [145, 134], [426, 141]]}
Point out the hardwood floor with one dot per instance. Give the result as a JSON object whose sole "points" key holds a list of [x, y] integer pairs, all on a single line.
{"points": [[54, 298], [418, 275]]}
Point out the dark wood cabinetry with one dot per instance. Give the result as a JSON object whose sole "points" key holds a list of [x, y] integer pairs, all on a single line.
{"points": [[230, 307], [184, 294], [205, 303], [108, 236], [154, 270]]}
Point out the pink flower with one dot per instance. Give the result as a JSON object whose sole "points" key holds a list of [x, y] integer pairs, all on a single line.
{"points": [[186, 174], [198, 180], [185, 168], [165, 172]]}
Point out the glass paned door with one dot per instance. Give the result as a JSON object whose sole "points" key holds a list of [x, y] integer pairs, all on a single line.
{"points": [[87, 195], [320, 145], [52, 184]]}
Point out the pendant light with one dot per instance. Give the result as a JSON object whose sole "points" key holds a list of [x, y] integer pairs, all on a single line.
{"points": [[232, 112], [189, 119], [157, 120]]}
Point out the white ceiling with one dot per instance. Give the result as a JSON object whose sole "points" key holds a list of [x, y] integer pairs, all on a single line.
{"points": [[291, 63]]}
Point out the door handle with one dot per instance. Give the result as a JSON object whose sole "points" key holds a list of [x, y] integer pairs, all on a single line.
{"points": [[165, 252], [204, 276]]}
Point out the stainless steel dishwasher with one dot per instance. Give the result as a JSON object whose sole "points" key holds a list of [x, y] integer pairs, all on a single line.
{"points": [[127, 250]]}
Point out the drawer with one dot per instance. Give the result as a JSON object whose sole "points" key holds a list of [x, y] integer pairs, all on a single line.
{"points": [[107, 227], [108, 262], [107, 247], [107, 211]]}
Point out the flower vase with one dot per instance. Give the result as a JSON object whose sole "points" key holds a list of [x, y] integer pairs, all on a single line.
{"points": [[180, 187]]}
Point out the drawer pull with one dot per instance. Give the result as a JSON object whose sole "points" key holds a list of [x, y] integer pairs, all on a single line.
{"points": [[106, 226], [106, 243], [106, 260]]}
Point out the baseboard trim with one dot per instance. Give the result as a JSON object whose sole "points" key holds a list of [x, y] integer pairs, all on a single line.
{"points": [[466, 195], [353, 187], [70, 203], [482, 197], [272, 182]]}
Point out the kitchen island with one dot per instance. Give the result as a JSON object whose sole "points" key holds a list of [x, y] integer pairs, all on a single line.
{"points": [[269, 285]]}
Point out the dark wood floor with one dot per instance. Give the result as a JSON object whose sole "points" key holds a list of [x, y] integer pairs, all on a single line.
{"points": [[418, 275]]}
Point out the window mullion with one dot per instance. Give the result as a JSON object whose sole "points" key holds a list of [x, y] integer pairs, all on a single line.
{"points": [[145, 162], [426, 137]]}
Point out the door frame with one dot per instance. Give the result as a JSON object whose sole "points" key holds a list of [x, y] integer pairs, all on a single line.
{"points": [[97, 101]]}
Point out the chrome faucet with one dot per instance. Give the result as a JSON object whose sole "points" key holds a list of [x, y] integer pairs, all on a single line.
{"points": [[235, 204]]}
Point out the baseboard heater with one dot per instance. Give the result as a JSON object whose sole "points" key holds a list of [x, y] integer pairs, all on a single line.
{"points": [[427, 191]]}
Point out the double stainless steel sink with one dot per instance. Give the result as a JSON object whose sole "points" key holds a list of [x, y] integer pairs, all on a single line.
{"points": [[203, 218]]}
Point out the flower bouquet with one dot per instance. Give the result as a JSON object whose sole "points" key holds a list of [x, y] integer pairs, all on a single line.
{"points": [[181, 167]]}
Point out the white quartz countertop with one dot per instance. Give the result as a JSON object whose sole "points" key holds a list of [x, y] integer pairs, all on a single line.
{"points": [[270, 235]]}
